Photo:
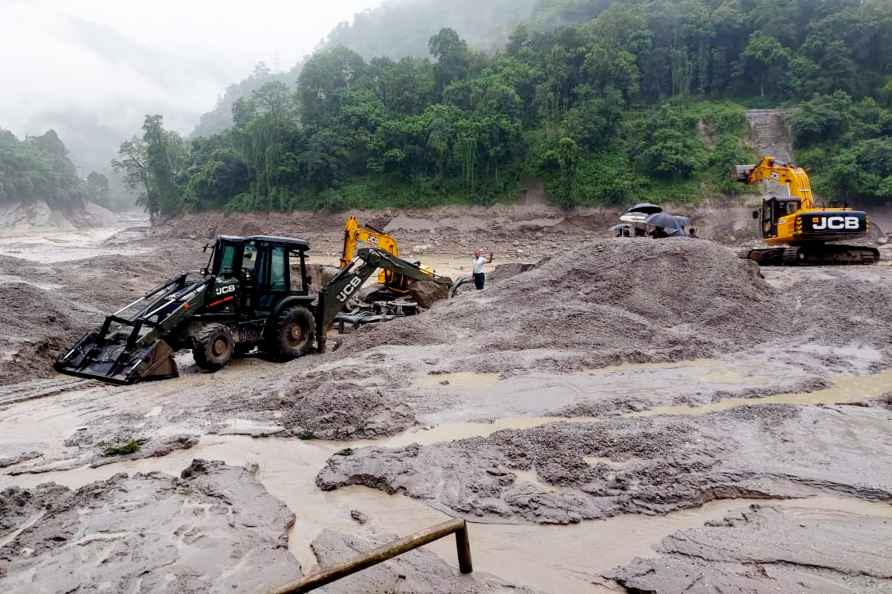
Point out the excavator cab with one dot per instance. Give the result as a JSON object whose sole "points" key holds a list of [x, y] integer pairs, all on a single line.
{"points": [[258, 272], [773, 209]]}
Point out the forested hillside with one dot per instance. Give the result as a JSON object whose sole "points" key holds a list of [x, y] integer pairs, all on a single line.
{"points": [[220, 118], [396, 29], [401, 28], [641, 99], [38, 169]]}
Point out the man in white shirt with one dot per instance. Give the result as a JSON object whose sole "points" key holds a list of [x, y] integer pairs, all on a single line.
{"points": [[479, 274]]}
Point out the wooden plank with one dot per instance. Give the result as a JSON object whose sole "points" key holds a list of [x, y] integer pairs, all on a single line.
{"points": [[384, 553]]}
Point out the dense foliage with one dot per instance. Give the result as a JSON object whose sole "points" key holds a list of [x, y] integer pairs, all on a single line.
{"points": [[395, 29], [847, 144], [635, 99], [220, 118], [38, 169]]}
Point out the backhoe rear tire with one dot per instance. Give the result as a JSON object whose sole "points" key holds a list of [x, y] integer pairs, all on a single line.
{"points": [[292, 334], [212, 346]]}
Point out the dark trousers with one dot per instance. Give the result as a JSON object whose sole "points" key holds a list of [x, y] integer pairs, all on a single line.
{"points": [[479, 280]]}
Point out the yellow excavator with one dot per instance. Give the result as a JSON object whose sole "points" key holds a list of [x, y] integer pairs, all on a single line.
{"points": [[355, 234], [799, 232]]}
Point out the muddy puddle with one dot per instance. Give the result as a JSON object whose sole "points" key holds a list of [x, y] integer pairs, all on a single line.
{"points": [[488, 395], [550, 558], [455, 431], [845, 389], [610, 390]]}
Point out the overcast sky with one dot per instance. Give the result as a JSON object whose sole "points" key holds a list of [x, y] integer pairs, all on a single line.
{"points": [[114, 60]]}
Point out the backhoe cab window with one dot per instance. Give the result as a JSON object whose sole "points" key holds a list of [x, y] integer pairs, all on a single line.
{"points": [[278, 270], [296, 273], [227, 260], [249, 258]]}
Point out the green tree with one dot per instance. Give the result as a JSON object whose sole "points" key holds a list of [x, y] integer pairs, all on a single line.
{"points": [[98, 189], [825, 117], [451, 54], [670, 147], [324, 81], [132, 165], [766, 61], [165, 158]]}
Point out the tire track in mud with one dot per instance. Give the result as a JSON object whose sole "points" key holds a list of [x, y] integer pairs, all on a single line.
{"points": [[17, 393]]}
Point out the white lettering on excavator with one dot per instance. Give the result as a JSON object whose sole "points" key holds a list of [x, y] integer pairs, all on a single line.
{"points": [[225, 290], [835, 223], [345, 293]]}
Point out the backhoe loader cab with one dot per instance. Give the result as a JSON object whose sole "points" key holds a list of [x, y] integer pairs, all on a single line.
{"points": [[252, 275], [254, 294]]}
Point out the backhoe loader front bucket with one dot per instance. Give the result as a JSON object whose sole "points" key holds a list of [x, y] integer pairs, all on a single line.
{"points": [[113, 361]]}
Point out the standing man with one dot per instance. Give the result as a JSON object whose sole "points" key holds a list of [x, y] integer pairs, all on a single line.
{"points": [[479, 274]]}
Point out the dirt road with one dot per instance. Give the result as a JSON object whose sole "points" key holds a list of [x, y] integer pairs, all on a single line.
{"points": [[616, 417]]}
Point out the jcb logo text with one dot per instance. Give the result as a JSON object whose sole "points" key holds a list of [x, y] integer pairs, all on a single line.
{"points": [[835, 223], [345, 293]]}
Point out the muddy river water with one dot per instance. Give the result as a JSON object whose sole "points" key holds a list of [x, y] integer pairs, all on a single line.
{"points": [[550, 558]]}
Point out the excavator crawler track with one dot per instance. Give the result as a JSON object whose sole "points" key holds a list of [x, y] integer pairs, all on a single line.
{"points": [[815, 255]]}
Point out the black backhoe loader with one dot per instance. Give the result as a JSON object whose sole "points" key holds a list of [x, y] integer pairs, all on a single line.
{"points": [[255, 293]]}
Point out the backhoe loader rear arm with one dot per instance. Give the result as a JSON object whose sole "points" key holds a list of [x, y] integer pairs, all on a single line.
{"points": [[342, 287]]}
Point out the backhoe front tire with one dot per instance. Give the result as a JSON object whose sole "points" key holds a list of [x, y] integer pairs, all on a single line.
{"points": [[292, 334], [212, 347]]}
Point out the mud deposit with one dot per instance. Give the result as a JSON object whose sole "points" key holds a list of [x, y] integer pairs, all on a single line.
{"points": [[586, 300], [766, 549], [207, 531], [46, 302], [639, 301], [599, 398], [564, 473], [36, 326]]}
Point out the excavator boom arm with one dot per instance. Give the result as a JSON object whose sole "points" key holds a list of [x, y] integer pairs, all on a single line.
{"points": [[354, 233], [768, 169]]}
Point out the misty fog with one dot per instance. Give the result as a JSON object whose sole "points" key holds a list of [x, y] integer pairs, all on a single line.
{"points": [[92, 69]]}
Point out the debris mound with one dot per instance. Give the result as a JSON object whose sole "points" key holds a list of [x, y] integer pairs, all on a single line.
{"points": [[147, 533], [326, 405], [798, 550], [36, 327], [613, 300]]}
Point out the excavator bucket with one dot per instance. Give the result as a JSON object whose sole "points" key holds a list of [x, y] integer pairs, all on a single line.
{"points": [[742, 172], [113, 361]]}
